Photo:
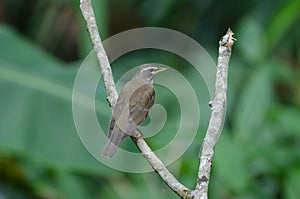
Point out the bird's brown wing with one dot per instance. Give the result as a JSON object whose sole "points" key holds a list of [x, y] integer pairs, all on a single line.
{"points": [[140, 103], [111, 126], [116, 114]]}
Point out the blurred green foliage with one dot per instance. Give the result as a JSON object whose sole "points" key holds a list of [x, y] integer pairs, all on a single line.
{"points": [[42, 44]]}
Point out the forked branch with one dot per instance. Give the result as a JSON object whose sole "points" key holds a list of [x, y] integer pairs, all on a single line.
{"points": [[215, 124]]}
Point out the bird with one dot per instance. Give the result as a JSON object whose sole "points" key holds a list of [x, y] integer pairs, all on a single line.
{"points": [[132, 107]]}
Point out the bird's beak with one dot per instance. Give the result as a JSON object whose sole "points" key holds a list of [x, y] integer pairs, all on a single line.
{"points": [[161, 70]]}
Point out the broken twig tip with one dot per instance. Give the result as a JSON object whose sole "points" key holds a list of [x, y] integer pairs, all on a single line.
{"points": [[228, 39]]}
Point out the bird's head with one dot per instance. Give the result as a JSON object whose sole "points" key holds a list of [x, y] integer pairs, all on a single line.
{"points": [[148, 72]]}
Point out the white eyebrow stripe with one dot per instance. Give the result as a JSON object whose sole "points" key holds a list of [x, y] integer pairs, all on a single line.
{"points": [[148, 68]]}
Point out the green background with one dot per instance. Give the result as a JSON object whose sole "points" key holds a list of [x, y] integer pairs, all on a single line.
{"points": [[42, 44]]}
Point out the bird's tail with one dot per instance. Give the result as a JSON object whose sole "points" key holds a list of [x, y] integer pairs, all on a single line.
{"points": [[110, 149], [113, 144]]}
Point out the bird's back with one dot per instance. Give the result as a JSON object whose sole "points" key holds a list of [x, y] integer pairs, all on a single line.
{"points": [[132, 109]]}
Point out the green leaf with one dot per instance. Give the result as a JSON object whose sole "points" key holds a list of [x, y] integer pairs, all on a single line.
{"points": [[291, 184], [287, 15], [288, 119], [230, 164], [254, 102], [36, 114], [249, 41], [71, 186]]}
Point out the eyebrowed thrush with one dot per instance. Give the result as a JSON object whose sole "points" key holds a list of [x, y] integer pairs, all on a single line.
{"points": [[132, 107]]}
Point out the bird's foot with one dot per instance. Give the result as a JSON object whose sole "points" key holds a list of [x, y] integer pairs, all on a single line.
{"points": [[138, 135]]}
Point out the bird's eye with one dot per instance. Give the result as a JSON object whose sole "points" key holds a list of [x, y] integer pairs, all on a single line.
{"points": [[151, 69]]}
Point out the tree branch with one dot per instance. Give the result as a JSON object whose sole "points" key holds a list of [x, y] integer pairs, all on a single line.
{"points": [[160, 168], [215, 124], [154, 161], [217, 116], [89, 17]]}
